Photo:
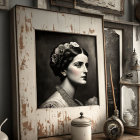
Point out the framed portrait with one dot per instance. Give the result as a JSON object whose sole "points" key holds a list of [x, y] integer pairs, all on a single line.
{"points": [[87, 6], [100, 6], [41, 39], [46, 79]]}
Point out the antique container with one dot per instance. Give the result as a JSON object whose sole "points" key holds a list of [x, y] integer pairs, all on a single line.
{"points": [[130, 97], [81, 128]]}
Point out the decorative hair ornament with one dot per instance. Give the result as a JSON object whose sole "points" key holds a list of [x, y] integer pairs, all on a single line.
{"points": [[59, 51], [74, 44]]}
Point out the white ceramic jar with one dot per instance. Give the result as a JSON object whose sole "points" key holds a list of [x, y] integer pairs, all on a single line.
{"points": [[81, 128]]}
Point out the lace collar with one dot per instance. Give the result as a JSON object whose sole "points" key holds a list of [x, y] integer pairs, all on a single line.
{"points": [[67, 98]]}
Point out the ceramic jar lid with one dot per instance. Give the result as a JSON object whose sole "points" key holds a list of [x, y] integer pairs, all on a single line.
{"points": [[81, 121]]}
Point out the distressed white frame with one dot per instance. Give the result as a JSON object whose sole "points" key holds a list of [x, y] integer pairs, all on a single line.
{"points": [[32, 122]]}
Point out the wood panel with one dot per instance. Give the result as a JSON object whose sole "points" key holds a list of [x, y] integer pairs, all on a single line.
{"points": [[32, 121], [95, 137]]}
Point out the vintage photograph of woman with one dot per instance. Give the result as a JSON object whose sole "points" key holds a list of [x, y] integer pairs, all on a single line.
{"points": [[63, 70]]}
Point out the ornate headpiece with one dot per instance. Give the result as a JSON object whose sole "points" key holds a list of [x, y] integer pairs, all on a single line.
{"points": [[59, 51]]}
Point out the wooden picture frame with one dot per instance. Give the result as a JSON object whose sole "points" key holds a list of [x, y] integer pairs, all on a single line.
{"points": [[100, 7], [63, 3], [60, 3], [4, 4], [113, 44], [31, 122], [125, 48], [127, 37], [88, 6]]}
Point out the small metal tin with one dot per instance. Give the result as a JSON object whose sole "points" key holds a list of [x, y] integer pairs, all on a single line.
{"points": [[81, 128]]}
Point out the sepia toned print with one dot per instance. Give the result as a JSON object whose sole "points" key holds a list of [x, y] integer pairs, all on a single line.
{"points": [[68, 65]]}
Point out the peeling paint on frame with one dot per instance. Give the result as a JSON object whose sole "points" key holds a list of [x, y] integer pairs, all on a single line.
{"points": [[35, 122]]}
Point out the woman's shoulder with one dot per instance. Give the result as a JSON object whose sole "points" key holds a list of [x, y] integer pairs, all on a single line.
{"points": [[54, 101]]}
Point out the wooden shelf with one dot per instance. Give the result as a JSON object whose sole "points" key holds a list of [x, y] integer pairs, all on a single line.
{"points": [[94, 137], [123, 22]]}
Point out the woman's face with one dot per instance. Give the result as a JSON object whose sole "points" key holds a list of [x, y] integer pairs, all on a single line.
{"points": [[77, 69]]}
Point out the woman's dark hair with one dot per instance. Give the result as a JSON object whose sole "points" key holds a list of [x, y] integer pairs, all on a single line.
{"points": [[63, 55]]}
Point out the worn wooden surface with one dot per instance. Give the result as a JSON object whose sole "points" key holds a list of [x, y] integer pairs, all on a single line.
{"points": [[34, 122], [127, 48], [95, 137], [98, 7]]}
